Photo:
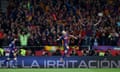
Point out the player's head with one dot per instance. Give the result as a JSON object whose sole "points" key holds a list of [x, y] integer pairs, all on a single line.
{"points": [[64, 32], [15, 39]]}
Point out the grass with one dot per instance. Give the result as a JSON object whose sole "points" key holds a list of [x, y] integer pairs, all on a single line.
{"points": [[61, 70]]}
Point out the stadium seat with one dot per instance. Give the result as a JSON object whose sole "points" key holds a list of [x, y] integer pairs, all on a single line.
{"points": [[28, 53], [114, 52], [38, 53], [49, 53], [79, 53], [62, 52]]}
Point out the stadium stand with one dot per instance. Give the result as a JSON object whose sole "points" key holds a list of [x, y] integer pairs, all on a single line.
{"points": [[38, 23]]}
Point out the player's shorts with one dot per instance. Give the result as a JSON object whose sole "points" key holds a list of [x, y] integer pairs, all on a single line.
{"points": [[66, 47], [11, 55]]}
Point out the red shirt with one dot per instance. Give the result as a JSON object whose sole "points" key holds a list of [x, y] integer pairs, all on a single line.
{"points": [[1, 35], [83, 34]]}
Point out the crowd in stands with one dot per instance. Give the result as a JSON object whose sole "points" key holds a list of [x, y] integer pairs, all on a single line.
{"points": [[40, 23]]}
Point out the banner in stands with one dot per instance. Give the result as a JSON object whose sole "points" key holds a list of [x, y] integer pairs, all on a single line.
{"points": [[106, 47], [69, 62], [54, 48]]}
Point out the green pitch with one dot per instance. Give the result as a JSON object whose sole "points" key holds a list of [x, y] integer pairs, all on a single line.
{"points": [[60, 70]]}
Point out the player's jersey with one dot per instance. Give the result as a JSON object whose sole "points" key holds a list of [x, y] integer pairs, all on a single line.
{"points": [[7, 51], [65, 39], [11, 49]]}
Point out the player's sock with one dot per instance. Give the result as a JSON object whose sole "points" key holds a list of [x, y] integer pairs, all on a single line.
{"points": [[63, 57], [15, 62], [11, 64], [66, 53], [6, 63]]}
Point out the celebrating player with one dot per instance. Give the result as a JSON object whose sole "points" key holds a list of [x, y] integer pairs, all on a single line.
{"points": [[12, 55], [65, 38]]}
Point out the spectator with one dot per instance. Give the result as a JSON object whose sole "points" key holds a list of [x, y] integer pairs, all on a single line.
{"points": [[108, 53], [24, 39], [73, 53], [57, 53], [1, 37]]}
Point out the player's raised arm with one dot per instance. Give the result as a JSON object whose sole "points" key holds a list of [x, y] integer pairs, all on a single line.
{"points": [[59, 38], [73, 36], [63, 34], [12, 43], [100, 15]]}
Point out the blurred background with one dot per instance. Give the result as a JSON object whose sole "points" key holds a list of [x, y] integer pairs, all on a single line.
{"points": [[38, 23]]}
